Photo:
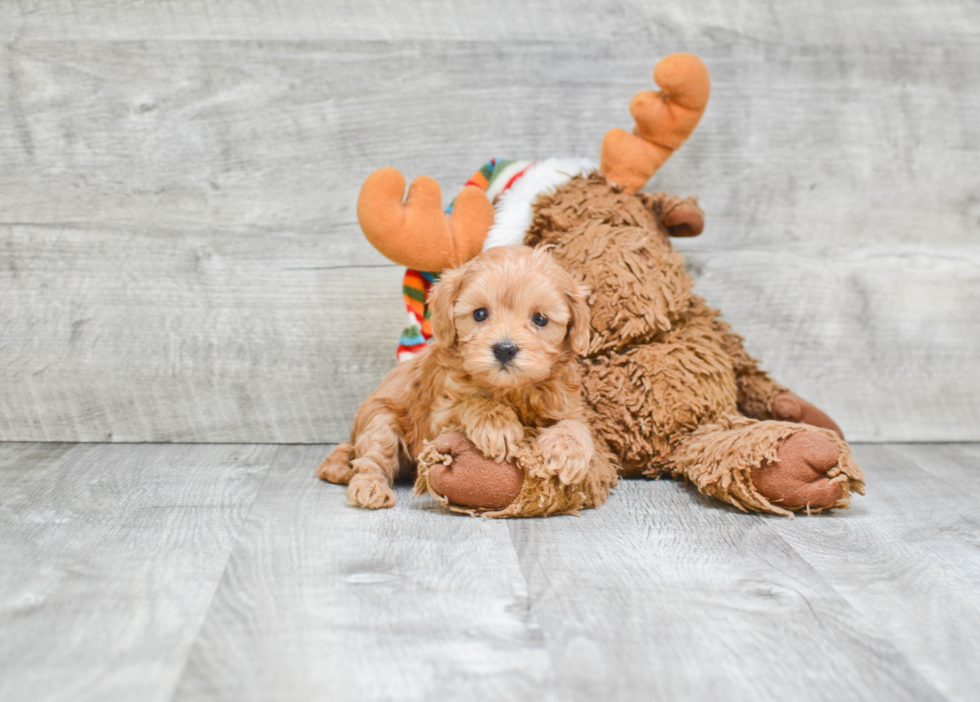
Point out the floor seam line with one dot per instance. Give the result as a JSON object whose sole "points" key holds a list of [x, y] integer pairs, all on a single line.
{"points": [[224, 572]]}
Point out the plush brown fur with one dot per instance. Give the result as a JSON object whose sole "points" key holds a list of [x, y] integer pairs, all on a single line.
{"points": [[672, 388], [528, 409]]}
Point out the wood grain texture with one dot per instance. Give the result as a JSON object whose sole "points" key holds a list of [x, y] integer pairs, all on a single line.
{"points": [[111, 555], [908, 563], [180, 261], [905, 23], [664, 594], [181, 337], [168, 572], [882, 338], [323, 600]]}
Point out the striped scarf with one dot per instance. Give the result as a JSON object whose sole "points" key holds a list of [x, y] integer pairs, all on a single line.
{"points": [[496, 176]]}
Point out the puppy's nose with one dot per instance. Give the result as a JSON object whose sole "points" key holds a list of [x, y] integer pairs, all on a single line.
{"points": [[504, 351]]}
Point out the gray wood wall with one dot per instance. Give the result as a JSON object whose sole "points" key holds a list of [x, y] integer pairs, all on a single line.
{"points": [[180, 258]]}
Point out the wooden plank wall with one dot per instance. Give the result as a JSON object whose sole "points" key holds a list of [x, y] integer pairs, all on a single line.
{"points": [[179, 254]]}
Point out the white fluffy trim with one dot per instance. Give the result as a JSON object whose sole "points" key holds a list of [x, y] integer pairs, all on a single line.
{"points": [[513, 208]]}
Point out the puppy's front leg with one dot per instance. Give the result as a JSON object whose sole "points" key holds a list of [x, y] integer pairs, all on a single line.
{"points": [[567, 449], [493, 428], [373, 469]]}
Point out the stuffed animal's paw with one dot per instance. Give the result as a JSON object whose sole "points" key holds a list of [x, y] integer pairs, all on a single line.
{"points": [[790, 407], [472, 480], [805, 474]]}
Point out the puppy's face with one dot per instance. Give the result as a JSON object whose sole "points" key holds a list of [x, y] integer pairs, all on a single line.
{"points": [[513, 314]]}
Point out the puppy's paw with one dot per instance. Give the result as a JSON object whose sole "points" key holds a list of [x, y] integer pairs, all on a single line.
{"points": [[337, 468], [566, 450], [370, 492], [498, 435], [569, 469]]}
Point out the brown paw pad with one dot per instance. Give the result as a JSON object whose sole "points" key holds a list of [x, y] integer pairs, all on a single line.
{"points": [[472, 480], [798, 479]]}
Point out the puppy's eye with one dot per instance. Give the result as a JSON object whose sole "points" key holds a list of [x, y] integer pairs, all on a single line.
{"points": [[481, 314], [539, 319]]}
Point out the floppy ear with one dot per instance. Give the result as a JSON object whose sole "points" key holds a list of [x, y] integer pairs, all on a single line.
{"points": [[441, 300], [578, 326]]}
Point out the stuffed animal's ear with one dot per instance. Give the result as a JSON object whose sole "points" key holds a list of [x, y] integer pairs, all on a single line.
{"points": [[442, 298], [578, 326]]}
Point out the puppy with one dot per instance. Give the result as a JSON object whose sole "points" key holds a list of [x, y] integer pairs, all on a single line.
{"points": [[508, 326]]}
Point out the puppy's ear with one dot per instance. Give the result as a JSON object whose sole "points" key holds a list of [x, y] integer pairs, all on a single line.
{"points": [[442, 297], [578, 326]]}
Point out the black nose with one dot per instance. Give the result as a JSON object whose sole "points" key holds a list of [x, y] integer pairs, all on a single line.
{"points": [[504, 351]]}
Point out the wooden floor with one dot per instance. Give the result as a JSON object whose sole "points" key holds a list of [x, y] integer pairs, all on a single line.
{"points": [[226, 572]]}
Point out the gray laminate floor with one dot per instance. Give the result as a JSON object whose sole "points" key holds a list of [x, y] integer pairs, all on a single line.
{"points": [[177, 572]]}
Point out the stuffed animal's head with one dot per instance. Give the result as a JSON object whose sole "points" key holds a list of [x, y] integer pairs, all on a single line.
{"points": [[639, 286], [514, 315]]}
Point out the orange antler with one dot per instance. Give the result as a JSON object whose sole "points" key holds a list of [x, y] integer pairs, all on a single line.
{"points": [[418, 234], [664, 120]]}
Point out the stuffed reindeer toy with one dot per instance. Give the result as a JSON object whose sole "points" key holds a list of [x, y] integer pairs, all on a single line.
{"points": [[668, 388]]}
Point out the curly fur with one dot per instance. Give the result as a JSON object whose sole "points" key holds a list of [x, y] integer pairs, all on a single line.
{"points": [[528, 409]]}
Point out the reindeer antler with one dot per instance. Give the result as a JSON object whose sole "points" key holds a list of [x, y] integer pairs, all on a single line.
{"points": [[419, 234], [664, 120]]}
